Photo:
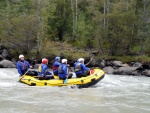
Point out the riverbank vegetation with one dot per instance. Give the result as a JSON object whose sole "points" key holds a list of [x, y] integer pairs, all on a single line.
{"points": [[74, 28]]}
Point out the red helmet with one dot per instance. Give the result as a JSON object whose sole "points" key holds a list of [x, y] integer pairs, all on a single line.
{"points": [[44, 61]]}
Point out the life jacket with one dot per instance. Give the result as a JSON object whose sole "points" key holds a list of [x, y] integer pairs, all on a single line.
{"points": [[77, 67], [54, 67], [40, 68], [60, 71], [24, 65]]}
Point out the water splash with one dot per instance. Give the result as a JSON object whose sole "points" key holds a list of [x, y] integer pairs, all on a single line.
{"points": [[114, 94]]}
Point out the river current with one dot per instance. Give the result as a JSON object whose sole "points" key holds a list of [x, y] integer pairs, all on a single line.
{"points": [[113, 94]]}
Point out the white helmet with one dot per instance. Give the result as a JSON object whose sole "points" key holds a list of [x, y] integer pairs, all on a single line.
{"points": [[20, 56], [81, 59], [63, 60]]}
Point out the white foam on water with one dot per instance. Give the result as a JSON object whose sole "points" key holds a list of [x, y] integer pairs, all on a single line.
{"points": [[7, 84], [8, 77], [113, 94]]}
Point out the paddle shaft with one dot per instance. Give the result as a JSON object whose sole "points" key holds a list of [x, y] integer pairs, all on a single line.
{"points": [[23, 75], [89, 62]]}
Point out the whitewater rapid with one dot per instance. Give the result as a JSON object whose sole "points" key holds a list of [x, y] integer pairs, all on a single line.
{"points": [[113, 94]]}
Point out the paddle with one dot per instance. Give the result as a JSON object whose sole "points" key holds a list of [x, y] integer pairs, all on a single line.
{"points": [[36, 76], [89, 62], [23, 75], [66, 80]]}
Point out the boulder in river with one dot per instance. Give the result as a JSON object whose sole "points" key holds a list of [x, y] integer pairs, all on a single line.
{"points": [[109, 70], [126, 70], [7, 64], [146, 73]]}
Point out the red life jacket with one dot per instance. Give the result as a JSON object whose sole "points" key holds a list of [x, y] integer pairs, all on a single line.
{"points": [[54, 67]]}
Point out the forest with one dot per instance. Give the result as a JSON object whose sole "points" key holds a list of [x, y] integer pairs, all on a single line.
{"points": [[76, 28]]}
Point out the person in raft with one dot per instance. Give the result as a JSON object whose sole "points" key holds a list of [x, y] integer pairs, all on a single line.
{"points": [[63, 70], [22, 65], [81, 70], [55, 66], [43, 72], [74, 65]]}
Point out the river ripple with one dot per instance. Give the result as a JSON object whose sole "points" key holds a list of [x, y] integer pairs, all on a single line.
{"points": [[114, 94]]}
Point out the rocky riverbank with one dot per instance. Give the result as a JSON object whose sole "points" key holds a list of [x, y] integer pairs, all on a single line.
{"points": [[109, 66], [119, 68]]}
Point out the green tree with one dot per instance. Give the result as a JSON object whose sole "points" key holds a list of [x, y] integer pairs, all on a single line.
{"points": [[60, 23], [115, 26], [19, 33], [24, 22]]}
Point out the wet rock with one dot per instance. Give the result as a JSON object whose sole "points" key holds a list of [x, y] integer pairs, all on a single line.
{"points": [[96, 63], [109, 70], [117, 63], [146, 73], [109, 63], [135, 73], [7, 64], [125, 65], [92, 63], [136, 64], [1, 66], [5, 53], [1, 51], [1, 57], [126, 70], [14, 60], [102, 63]]}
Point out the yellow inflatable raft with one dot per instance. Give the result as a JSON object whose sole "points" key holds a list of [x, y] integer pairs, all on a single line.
{"points": [[95, 76]]}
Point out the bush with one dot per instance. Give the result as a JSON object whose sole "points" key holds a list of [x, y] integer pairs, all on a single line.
{"points": [[64, 50]]}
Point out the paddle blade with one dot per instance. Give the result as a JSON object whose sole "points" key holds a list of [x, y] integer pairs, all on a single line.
{"points": [[66, 80], [20, 78]]}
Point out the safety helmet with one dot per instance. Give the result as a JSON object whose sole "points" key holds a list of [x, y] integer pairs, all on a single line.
{"points": [[20, 56], [64, 60], [81, 59], [57, 58], [44, 61]]}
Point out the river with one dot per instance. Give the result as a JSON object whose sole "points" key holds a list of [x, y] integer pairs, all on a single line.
{"points": [[113, 94]]}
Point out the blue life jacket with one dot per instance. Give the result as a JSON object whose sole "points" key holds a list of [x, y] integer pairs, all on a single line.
{"points": [[80, 69], [22, 67], [43, 70], [62, 71], [75, 64]]}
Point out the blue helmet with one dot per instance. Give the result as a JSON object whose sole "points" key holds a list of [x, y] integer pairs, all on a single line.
{"points": [[57, 58]]}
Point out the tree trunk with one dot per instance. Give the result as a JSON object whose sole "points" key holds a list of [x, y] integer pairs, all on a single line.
{"points": [[73, 30], [40, 28], [104, 14], [76, 13], [60, 34], [144, 28]]}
